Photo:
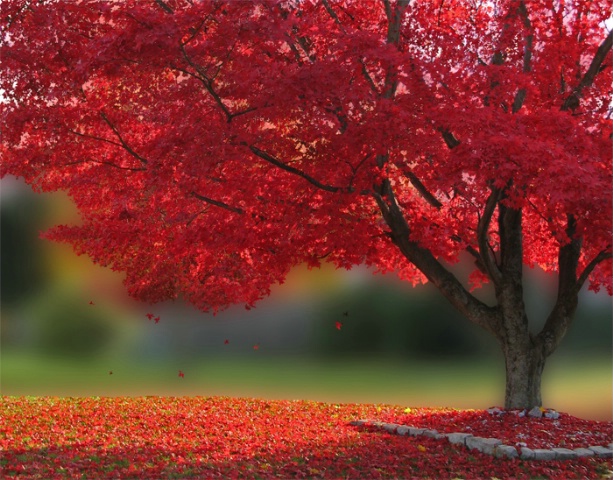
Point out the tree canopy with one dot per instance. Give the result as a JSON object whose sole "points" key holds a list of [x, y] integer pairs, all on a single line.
{"points": [[210, 146]]}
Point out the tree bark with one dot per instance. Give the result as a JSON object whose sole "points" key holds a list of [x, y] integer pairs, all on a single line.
{"points": [[524, 365]]}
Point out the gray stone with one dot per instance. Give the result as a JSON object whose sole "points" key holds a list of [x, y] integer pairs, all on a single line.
{"points": [[603, 452], [552, 414], [495, 411], [432, 434], [610, 446], [414, 432], [564, 453], [485, 445], [527, 453], [584, 452], [402, 430], [505, 451], [458, 438], [535, 412], [390, 427], [544, 454]]}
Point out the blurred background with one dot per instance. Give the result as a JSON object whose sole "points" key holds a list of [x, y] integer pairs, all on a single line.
{"points": [[69, 329]]}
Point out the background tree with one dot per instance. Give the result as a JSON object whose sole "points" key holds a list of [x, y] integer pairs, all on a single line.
{"points": [[211, 146]]}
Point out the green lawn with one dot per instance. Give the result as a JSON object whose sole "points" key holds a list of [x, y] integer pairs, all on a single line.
{"points": [[582, 387]]}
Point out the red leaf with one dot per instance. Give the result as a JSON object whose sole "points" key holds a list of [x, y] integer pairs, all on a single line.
{"points": [[150, 316], [339, 325], [181, 374], [226, 341]]}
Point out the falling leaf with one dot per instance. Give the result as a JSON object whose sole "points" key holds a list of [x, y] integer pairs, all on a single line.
{"points": [[150, 316], [256, 346], [339, 325], [157, 319], [91, 303], [421, 448], [226, 341], [111, 372], [345, 314], [181, 374]]}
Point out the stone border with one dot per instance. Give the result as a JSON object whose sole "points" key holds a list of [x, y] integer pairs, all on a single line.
{"points": [[492, 446]]}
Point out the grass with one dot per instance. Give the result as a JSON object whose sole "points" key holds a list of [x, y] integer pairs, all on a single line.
{"points": [[581, 387]]}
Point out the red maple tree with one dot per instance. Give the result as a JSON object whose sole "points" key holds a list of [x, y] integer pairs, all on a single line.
{"points": [[211, 146]]}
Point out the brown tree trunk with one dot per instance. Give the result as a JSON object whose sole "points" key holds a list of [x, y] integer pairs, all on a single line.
{"points": [[524, 365]]}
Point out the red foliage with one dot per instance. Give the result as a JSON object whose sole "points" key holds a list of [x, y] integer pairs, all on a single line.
{"points": [[211, 146], [566, 431], [199, 437]]}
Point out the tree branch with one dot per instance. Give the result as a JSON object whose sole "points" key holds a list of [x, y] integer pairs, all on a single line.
{"points": [[368, 78], [563, 311], [572, 101], [602, 256], [206, 81], [449, 138], [123, 143], [270, 159], [424, 192], [217, 203], [102, 162], [331, 12], [165, 7], [451, 288], [482, 237], [94, 137], [520, 96]]}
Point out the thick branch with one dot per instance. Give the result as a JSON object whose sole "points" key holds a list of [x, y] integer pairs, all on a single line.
{"points": [[423, 191], [568, 261], [520, 96], [270, 159], [601, 257], [394, 18], [165, 6], [511, 243], [331, 12], [449, 138], [217, 203], [572, 101], [476, 311], [523, 12], [482, 237], [567, 300]]}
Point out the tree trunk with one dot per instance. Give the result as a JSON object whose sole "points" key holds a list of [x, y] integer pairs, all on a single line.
{"points": [[524, 368]]}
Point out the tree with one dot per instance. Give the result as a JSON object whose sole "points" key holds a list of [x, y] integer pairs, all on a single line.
{"points": [[212, 145]]}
